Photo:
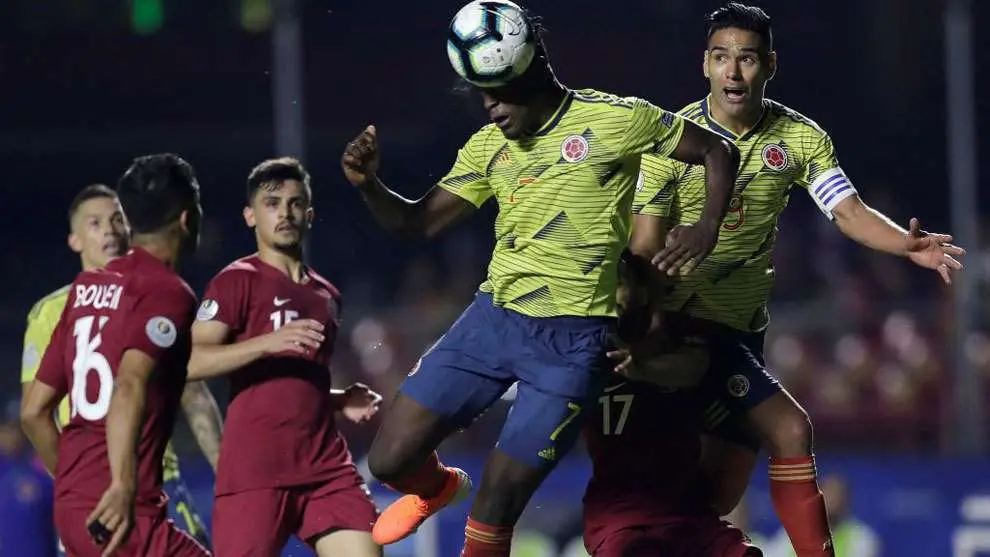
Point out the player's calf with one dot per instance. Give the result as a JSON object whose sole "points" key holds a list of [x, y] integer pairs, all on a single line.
{"points": [[786, 432]]}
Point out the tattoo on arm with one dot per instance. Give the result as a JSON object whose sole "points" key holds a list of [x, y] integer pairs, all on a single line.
{"points": [[204, 419]]}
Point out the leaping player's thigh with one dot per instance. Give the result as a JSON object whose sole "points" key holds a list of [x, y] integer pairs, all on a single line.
{"points": [[561, 373], [737, 381], [255, 523], [182, 511], [337, 518], [458, 377]]}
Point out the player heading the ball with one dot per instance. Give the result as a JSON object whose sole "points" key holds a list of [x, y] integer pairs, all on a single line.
{"points": [[562, 165]]}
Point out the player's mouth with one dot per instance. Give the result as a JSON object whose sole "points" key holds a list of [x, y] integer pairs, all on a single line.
{"points": [[112, 247], [735, 94], [501, 120], [286, 228]]}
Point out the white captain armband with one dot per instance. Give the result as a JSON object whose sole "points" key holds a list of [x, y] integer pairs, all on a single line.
{"points": [[830, 188]]}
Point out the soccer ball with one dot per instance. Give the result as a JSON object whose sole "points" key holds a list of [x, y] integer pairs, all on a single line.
{"points": [[490, 43]]}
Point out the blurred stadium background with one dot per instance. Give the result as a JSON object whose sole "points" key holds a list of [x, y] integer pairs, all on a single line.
{"points": [[892, 366]]}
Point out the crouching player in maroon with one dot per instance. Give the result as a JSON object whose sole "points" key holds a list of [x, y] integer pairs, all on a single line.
{"points": [[268, 322], [646, 497], [120, 351]]}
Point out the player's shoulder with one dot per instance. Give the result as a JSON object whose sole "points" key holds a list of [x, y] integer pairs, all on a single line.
{"points": [[694, 111], [596, 102], [788, 119], [323, 283], [244, 268], [50, 303]]}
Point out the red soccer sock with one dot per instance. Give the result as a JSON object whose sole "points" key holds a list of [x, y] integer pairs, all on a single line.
{"points": [[426, 481], [482, 540], [800, 505]]}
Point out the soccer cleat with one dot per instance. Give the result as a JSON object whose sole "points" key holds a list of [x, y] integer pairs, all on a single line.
{"points": [[403, 517]]}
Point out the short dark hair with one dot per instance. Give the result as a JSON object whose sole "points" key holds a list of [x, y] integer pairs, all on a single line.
{"points": [[92, 191], [276, 171], [741, 16], [155, 190]]}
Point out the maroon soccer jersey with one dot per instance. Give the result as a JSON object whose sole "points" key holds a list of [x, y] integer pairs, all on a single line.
{"points": [[139, 303], [280, 428], [645, 447]]}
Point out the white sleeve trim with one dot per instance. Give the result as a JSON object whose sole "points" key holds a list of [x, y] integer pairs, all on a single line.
{"points": [[831, 187]]}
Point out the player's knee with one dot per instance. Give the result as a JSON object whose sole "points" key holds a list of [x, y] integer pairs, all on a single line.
{"points": [[791, 434], [385, 463]]}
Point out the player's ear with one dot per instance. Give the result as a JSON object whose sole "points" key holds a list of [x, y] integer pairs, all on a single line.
{"points": [[772, 64], [310, 214], [704, 65], [75, 244], [249, 217]]}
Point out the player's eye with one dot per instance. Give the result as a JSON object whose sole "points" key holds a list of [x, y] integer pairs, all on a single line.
{"points": [[749, 60]]}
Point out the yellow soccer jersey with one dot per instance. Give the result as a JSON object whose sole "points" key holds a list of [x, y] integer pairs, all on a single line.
{"points": [[41, 323], [785, 149], [565, 197]]}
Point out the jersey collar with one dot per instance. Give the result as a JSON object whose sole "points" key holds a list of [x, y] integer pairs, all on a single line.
{"points": [[725, 132], [557, 115]]}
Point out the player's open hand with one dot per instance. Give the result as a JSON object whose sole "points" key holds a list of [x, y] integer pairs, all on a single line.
{"points": [[686, 247], [360, 403], [933, 251], [112, 520], [303, 337], [361, 156]]}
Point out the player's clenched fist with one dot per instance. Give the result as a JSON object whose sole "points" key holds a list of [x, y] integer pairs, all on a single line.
{"points": [[360, 160], [301, 337]]}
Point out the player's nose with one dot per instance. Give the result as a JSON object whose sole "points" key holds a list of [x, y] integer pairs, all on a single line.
{"points": [[488, 101]]}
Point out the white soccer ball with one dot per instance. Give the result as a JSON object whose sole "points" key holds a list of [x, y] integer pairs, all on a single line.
{"points": [[490, 43]]}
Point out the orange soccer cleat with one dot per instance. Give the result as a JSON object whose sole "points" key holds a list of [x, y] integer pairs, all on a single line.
{"points": [[405, 516]]}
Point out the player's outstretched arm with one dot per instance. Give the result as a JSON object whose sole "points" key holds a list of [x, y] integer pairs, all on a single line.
{"points": [[688, 245], [423, 218], [204, 419], [212, 356], [38, 421], [873, 229]]}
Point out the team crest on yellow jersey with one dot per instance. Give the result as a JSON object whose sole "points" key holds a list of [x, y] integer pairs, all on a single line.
{"points": [[775, 157], [574, 148]]}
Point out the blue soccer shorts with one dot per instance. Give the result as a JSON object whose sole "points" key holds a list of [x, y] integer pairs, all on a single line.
{"points": [[558, 362]]}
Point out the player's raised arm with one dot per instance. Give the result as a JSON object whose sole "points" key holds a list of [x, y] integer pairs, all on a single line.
{"points": [[835, 195], [423, 218], [204, 419], [688, 245]]}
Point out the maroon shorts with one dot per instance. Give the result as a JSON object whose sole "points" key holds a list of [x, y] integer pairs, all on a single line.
{"points": [[258, 523], [152, 536], [686, 538]]}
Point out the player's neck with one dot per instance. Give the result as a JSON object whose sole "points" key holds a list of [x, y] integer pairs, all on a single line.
{"points": [[289, 262], [742, 124], [163, 248], [549, 103]]}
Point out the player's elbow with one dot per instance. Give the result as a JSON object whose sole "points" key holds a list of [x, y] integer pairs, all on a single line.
{"points": [[33, 416]]}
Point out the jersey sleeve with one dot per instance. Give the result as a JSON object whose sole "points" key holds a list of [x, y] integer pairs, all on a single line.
{"points": [[51, 371], [468, 178], [40, 327], [651, 129], [656, 186], [158, 318], [226, 300], [823, 177]]}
